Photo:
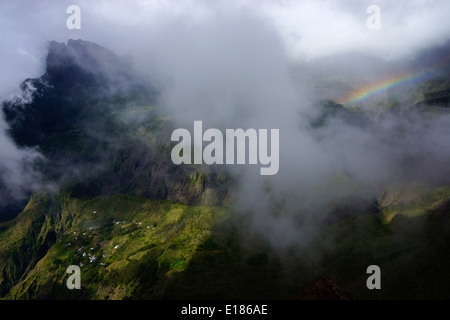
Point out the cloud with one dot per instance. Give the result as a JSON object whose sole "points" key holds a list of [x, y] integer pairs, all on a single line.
{"points": [[313, 29], [17, 174]]}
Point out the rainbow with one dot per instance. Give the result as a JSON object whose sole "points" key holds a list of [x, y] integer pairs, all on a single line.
{"points": [[380, 86]]}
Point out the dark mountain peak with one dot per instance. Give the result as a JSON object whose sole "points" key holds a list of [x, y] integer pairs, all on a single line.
{"points": [[86, 63], [79, 52], [82, 80]]}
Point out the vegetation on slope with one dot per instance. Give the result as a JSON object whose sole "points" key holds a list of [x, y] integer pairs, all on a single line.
{"points": [[126, 246], [135, 248]]}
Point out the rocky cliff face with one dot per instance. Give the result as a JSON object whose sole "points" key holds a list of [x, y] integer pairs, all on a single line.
{"points": [[100, 130]]}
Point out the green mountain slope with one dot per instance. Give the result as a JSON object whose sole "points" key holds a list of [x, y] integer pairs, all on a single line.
{"points": [[126, 246], [132, 248]]}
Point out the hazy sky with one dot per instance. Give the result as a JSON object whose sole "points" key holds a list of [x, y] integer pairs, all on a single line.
{"points": [[308, 28]]}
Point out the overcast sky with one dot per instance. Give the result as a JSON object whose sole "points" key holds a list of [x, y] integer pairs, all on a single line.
{"points": [[308, 28]]}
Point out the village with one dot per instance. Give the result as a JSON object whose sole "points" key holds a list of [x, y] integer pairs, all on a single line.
{"points": [[92, 245]]}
